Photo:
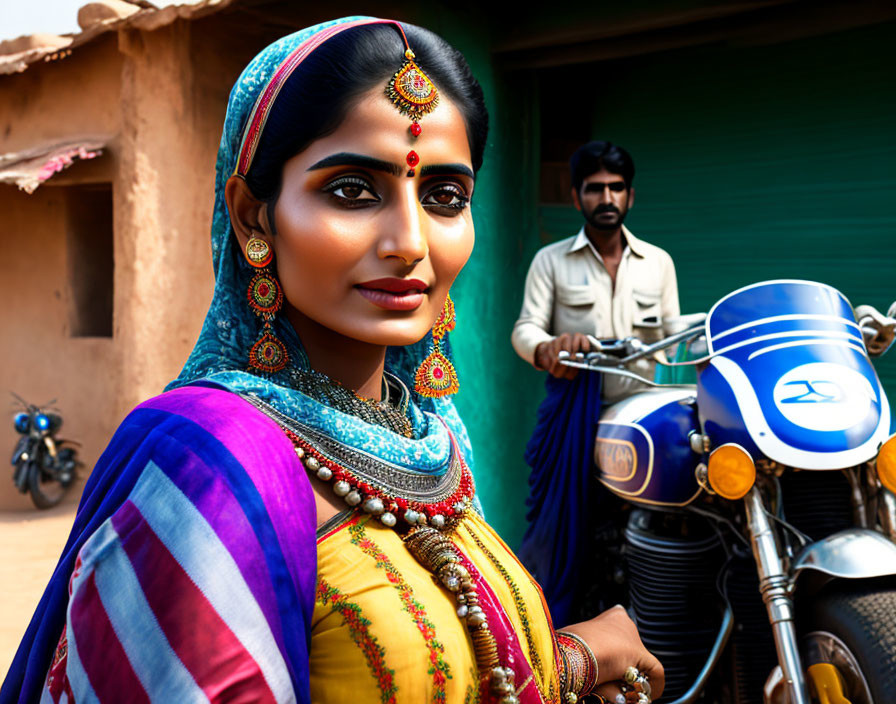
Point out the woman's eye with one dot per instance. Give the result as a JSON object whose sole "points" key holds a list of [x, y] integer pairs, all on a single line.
{"points": [[352, 191], [446, 199]]}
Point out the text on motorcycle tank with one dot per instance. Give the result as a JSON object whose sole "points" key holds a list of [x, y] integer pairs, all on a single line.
{"points": [[617, 459]]}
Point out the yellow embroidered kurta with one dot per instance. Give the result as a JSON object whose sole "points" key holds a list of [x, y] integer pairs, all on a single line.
{"points": [[384, 629]]}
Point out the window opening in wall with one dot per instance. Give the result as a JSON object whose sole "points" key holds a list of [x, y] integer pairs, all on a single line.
{"points": [[90, 258], [563, 130]]}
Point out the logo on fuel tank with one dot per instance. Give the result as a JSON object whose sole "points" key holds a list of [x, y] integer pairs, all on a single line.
{"points": [[824, 396], [617, 459]]}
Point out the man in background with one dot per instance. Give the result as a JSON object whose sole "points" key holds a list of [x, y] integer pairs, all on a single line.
{"points": [[603, 281]]}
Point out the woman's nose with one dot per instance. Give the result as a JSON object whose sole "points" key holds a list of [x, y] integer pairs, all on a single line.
{"points": [[404, 233]]}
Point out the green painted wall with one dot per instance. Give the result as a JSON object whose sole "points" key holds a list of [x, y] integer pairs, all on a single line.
{"points": [[762, 162], [499, 392], [753, 163]]}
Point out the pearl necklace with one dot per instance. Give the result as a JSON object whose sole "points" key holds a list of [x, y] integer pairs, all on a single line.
{"points": [[439, 556], [383, 501]]}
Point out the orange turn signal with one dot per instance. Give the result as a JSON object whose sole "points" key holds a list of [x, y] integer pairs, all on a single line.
{"points": [[731, 471], [886, 464]]}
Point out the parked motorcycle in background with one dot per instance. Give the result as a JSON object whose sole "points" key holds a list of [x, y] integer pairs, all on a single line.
{"points": [[771, 480], [44, 465]]}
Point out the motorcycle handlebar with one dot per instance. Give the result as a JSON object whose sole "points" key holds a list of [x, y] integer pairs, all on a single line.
{"points": [[615, 354], [618, 353]]}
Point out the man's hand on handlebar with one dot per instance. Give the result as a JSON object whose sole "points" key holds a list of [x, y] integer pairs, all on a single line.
{"points": [[547, 353]]}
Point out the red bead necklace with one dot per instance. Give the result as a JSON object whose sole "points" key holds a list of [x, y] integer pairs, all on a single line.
{"points": [[386, 505]]}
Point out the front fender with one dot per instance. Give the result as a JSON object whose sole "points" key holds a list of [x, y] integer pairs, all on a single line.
{"points": [[854, 553], [23, 445], [20, 476]]}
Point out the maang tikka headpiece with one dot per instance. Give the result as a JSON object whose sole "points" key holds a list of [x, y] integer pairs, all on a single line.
{"points": [[414, 94], [410, 89]]}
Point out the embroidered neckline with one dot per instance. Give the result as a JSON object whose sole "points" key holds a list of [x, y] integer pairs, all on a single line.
{"points": [[378, 487]]}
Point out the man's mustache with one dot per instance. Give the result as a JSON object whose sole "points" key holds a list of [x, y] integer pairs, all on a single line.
{"points": [[606, 208]]}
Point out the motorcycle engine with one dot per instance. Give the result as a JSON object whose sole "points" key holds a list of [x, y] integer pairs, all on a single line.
{"points": [[677, 569], [673, 563]]}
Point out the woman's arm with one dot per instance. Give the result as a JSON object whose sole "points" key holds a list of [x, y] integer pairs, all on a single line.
{"points": [[614, 641], [160, 609], [199, 501]]}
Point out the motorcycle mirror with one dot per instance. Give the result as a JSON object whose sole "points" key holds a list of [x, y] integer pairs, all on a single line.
{"points": [[19, 399]]}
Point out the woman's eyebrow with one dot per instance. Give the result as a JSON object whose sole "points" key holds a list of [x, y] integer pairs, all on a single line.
{"points": [[349, 159], [459, 169]]}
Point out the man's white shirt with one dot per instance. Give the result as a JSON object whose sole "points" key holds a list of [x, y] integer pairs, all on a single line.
{"points": [[568, 289]]}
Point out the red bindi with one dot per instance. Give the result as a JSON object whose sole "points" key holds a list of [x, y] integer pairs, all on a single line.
{"points": [[413, 159]]}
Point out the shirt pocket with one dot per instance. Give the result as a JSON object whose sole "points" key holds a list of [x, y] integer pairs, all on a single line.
{"points": [[647, 303], [647, 320], [575, 296], [574, 309]]}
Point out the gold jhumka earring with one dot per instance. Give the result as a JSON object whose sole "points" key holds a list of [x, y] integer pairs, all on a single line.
{"points": [[265, 297], [436, 376]]}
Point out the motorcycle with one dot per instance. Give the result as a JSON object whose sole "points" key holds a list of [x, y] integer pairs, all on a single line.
{"points": [[754, 512], [44, 465]]}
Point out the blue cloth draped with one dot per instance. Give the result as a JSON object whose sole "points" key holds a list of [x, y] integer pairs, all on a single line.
{"points": [[561, 455]]}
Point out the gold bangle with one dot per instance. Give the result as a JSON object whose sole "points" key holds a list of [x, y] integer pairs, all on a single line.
{"points": [[580, 664]]}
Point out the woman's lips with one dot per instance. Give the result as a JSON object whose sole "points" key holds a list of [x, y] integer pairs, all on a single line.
{"points": [[393, 293]]}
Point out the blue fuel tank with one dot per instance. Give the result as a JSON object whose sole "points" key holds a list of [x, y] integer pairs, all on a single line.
{"points": [[643, 452]]}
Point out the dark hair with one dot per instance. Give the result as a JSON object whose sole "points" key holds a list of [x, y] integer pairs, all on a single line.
{"points": [[316, 98], [594, 156]]}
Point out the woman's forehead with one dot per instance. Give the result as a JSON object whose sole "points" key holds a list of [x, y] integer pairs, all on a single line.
{"points": [[375, 128]]}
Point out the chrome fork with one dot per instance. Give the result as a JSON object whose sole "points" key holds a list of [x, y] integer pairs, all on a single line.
{"points": [[888, 513], [859, 505], [774, 585]]}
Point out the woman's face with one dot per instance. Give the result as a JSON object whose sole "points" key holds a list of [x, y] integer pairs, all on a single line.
{"points": [[362, 248]]}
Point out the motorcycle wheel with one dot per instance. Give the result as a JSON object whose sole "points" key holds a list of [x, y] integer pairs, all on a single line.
{"points": [[853, 627], [46, 490]]}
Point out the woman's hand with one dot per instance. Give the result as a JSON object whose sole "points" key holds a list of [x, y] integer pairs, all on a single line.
{"points": [[614, 640]]}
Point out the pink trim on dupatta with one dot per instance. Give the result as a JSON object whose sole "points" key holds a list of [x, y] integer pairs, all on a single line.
{"points": [[510, 652], [262, 108]]}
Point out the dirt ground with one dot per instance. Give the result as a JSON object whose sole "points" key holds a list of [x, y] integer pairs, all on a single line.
{"points": [[30, 544]]}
